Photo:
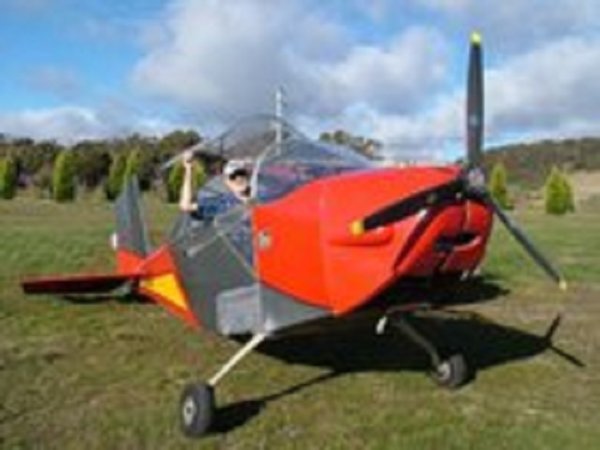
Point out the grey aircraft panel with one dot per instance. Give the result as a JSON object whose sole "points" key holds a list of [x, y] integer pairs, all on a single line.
{"points": [[280, 311], [209, 272]]}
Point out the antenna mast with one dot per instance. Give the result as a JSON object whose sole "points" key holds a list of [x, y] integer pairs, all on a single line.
{"points": [[279, 106]]}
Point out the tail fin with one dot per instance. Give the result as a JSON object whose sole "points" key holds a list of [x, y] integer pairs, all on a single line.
{"points": [[132, 246], [132, 243]]}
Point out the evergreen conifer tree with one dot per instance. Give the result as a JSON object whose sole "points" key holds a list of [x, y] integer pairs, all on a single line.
{"points": [[8, 178], [558, 193], [498, 186], [132, 166], [114, 182], [63, 177]]}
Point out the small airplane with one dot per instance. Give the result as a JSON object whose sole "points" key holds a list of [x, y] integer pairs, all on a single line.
{"points": [[325, 233]]}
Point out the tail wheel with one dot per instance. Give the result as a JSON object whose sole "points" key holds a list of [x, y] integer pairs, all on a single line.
{"points": [[196, 409]]}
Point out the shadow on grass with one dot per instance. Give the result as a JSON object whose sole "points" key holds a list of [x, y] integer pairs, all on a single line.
{"points": [[232, 416], [445, 290], [116, 297], [484, 344], [350, 345], [91, 299]]}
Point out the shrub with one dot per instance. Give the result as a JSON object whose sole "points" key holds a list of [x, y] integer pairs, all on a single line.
{"points": [[174, 182], [114, 182], [558, 193], [8, 178], [132, 166], [63, 177], [498, 186]]}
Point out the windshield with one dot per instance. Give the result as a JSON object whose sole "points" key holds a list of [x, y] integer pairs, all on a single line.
{"points": [[296, 162]]}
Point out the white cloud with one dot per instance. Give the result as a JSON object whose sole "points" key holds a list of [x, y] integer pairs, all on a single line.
{"points": [[69, 124], [550, 92], [214, 60], [554, 87], [514, 25], [212, 52], [397, 77], [434, 134], [227, 58], [63, 123]]}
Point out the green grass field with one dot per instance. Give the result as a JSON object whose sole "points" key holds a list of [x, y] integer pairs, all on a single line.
{"points": [[107, 374]]}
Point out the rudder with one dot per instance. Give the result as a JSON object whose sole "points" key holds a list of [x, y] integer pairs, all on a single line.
{"points": [[132, 241]]}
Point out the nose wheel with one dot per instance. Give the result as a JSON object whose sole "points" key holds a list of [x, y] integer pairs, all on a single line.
{"points": [[450, 373]]}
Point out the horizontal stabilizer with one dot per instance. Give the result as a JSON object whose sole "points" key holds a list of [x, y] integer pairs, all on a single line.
{"points": [[76, 284]]}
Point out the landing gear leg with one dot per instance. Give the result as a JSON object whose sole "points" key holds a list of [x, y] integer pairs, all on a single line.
{"points": [[450, 373], [197, 404]]}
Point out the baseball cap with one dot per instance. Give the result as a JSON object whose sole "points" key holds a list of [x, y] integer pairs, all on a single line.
{"points": [[236, 165]]}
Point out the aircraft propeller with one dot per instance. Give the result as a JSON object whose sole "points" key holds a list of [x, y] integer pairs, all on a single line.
{"points": [[470, 182]]}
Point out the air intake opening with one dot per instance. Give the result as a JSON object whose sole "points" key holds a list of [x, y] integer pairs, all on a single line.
{"points": [[446, 244]]}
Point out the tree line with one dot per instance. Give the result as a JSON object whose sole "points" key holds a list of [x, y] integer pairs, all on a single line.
{"points": [[530, 163], [58, 171]]}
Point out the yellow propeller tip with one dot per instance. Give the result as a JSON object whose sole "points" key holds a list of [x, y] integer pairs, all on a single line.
{"points": [[562, 284], [475, 38], [357, 228]]}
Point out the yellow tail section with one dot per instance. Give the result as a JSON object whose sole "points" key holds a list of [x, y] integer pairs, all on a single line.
{"points": [[167, 287]]}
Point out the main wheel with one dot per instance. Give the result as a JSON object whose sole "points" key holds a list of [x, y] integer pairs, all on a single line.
{"points": [[451, 373], [196, 409]]}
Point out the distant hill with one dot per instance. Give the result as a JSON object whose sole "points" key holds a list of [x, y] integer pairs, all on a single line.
{"points": [[529, 164]]}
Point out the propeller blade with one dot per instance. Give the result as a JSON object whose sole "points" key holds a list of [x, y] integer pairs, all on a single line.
{"points": [[475, 102], [409, 206], [522, 238]]}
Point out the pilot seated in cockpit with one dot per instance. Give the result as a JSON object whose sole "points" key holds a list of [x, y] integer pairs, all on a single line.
{"points": [[236, 178]]}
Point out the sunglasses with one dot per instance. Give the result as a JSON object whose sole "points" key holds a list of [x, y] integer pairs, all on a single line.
{"points": [[238, 174]]}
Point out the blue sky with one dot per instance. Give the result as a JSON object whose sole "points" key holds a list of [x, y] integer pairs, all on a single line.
{"points": [[393, 70], [58, 35]]}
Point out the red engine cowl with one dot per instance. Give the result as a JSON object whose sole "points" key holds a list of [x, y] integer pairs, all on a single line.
{"points": [[313, 255]]}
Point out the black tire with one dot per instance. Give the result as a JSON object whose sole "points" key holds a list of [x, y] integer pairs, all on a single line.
{"points": [[196, 409], [451, 373]]}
